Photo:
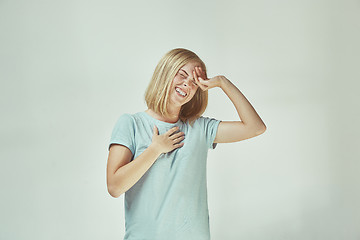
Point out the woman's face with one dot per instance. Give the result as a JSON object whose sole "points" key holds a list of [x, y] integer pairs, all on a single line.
{"points": [[183, 86]]}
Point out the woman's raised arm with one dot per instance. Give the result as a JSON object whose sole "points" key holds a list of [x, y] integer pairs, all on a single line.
{"points": [[250, 124]]}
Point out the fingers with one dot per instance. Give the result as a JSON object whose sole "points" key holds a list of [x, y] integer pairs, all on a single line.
{"points": [[176, 135], [168, 133], [202, 72], [200, 84], [155, 130], [172, 130], [178, 140], [179, 145], [169, 140], [197, 72], [198, 79]]}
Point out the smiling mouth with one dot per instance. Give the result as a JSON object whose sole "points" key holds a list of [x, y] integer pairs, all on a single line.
{"points": [[180, 92]]}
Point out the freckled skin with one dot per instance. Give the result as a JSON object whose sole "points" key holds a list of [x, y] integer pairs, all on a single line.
{"points": [[188, 80], [186, 83]]}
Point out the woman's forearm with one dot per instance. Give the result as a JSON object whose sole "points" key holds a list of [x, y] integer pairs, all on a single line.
{"points": [[126, 176], [243, 107]]}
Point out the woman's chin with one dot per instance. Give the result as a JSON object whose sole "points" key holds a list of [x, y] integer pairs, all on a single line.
{"points": [[177, 102]]}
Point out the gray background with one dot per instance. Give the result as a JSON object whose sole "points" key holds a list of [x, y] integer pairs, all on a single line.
{"points": [[69, 69]]}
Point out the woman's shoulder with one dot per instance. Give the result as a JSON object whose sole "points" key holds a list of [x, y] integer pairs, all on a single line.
{"points": [[129, 118], [203, 118], [198, 121], [204, 121]]}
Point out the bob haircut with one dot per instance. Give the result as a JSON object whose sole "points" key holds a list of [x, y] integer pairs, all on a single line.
{"points": [[158, 90]]}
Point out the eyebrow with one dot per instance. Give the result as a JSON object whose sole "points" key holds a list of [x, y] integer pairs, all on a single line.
{"points": [[184, 71], [187, 73]]}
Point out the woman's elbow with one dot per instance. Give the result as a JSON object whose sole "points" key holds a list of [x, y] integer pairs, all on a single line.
{"points": [[114, 192], [261, 130]]}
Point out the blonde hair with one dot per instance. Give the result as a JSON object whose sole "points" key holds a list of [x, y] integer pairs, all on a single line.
{"points": [[158, 90]]}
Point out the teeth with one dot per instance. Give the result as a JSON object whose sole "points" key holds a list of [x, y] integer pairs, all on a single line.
{"points": [[181, 92]]}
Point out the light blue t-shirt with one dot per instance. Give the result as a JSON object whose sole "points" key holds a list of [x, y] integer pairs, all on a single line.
{"points": [[169, 202]]}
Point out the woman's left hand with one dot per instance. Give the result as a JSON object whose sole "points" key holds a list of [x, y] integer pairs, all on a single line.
{"points": [[203, 82]]}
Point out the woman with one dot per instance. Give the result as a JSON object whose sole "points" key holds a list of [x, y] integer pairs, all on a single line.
{"points": [[158, 157]]}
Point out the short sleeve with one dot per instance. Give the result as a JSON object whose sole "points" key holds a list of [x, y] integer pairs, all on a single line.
{"points": [[124, 132], [210, 128]]}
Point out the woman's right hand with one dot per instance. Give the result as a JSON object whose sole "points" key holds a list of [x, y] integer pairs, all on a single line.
{"points": [[168, 141]]}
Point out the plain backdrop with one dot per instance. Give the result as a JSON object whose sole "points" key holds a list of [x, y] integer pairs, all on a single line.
{"points": [[70, 68]]}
